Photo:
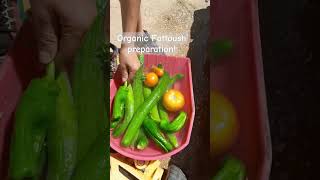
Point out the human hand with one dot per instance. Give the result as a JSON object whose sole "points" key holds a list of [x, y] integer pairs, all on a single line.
{"points": [[60, 26], [129, 64]]}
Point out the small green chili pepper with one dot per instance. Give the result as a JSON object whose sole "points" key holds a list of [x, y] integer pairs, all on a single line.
{"points": [[156, 135], [142, 141], [176, 125], [173, 139]]}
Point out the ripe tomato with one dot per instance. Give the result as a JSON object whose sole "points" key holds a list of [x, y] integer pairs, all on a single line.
{"points": [[151, 79], [158, 70], [173, 100], [224, 126]]}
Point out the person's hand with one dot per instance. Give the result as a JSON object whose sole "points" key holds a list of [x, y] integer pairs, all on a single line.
{"points": [[129, 64], [60, 26]]}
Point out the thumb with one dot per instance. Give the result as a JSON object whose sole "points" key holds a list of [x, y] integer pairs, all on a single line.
{"points": [[44, 27], [68, 45]]}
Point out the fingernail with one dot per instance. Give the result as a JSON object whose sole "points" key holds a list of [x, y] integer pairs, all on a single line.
{"points": [[44, 57]]}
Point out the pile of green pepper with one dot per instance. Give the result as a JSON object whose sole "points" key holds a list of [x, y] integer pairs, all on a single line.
{"points": [[138, 113]]}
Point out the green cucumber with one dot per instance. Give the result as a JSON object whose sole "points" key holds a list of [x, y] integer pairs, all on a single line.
{"points": [[95, 164], [154, 114], [91, 94], [137, 85]]}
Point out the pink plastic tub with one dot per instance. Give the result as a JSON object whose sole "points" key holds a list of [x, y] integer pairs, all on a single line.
{"points": [[240, 78], [173, 65]]}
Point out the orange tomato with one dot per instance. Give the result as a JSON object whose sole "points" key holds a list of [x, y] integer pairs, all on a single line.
{"points": [[224, 126], [151, 79], [158, 70], [173, 100]]}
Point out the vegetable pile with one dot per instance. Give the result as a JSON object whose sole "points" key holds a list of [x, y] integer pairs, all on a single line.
{"points": [[140, 110], [62, 127]]}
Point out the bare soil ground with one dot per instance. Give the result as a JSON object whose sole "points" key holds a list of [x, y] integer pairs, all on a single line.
{"points": [[161, 17]]}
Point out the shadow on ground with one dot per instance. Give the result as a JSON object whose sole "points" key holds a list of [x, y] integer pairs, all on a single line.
{"points": [[194, 160]]}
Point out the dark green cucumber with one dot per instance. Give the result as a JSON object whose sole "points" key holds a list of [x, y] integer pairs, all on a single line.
{"points": [[62, 134], [154, 114], [176, 125], [143, 110], [156, 135], [95, 164], [129, 111], [90, 83], [137, 86]]}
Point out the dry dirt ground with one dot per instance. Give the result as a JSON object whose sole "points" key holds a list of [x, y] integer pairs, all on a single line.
{"points": [[161, 17]]}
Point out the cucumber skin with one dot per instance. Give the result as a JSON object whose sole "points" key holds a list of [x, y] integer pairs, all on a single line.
{"points": [[154, 113], [95, 165], [137, 87]]}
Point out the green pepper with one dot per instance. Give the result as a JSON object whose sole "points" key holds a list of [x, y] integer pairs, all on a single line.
{"points": [[176, 125], [62, 134], [114, 124], [37, 107], [143, 141], [156, 135], [173, 139], [129, 111], [119, 102], [233, 169]]}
